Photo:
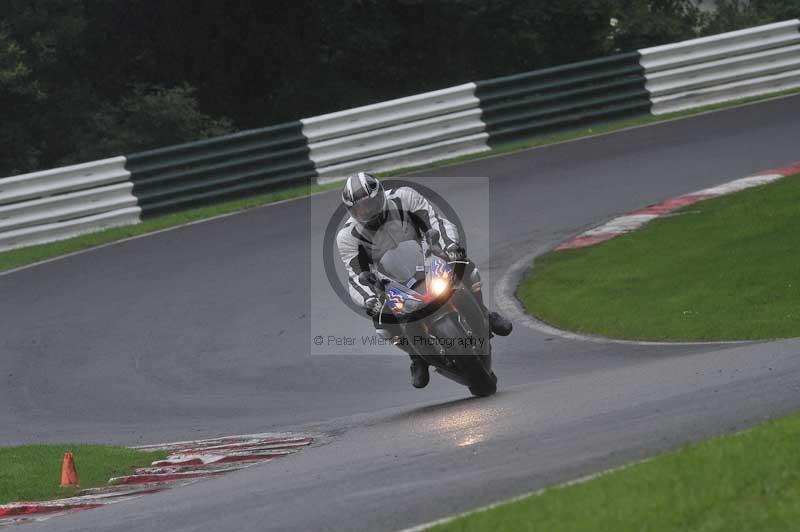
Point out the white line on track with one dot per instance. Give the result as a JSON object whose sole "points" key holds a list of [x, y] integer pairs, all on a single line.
{"points": [[580, 480]]}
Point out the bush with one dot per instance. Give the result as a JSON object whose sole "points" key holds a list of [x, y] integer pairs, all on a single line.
{"points": [[738, 14], [147, 117]]}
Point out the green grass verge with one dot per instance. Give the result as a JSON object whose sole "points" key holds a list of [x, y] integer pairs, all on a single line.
{"points": [[21, 257], [33, 472], [721, 269], [748, 481]]}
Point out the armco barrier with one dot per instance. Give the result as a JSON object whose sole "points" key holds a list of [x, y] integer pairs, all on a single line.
{"points": [[216, 169], [404, 132], [572, 95], [723, 67], [64, 202]]}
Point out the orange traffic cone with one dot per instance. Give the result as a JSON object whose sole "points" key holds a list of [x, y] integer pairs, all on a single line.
{"points": [[69, 475]]}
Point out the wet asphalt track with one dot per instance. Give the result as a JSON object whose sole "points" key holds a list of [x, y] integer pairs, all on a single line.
{"points": [[202, 331]]}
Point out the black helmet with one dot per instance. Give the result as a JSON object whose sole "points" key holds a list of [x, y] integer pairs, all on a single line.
{"points": [[364, 198]]}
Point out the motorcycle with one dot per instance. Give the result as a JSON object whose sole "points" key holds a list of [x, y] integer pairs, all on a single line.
{"points": [[439, 315]]}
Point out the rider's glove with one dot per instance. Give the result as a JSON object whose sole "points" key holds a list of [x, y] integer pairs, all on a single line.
{"points": [[455, 252], [373, 306]]}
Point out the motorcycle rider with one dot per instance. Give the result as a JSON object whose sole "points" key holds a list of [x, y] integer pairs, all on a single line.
{"points": [[381, 219]]}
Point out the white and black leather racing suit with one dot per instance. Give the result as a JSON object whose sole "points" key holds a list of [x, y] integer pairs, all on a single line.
{"points": [[409, 216]]}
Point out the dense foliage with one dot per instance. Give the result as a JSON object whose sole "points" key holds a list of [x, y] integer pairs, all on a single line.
{"points": [[85, 79]]}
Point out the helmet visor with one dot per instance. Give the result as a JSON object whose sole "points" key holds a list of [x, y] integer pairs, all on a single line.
{"points": [[368, 209]]}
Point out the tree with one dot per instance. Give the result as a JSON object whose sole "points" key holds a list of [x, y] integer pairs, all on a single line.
{"points": [[19, 94], [651, 23], [84, 79], [738, 14], [61, 107], [147, 117]]}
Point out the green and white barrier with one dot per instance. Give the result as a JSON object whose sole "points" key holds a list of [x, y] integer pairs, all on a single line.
{"points": [[723, 67], [410, 131], [399, 133], [65, 202], [213, 170], [554, 99]]}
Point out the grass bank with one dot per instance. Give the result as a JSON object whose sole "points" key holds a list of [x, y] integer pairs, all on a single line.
{"points": [[33, 472], [721, 269], [748, 481]]}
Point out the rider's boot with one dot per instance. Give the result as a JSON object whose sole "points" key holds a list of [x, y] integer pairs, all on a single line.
{"points": [[500, 325], [419, 368], [419, 372]]}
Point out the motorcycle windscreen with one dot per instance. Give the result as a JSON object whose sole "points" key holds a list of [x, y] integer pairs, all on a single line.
{"points": [[405, 263]]}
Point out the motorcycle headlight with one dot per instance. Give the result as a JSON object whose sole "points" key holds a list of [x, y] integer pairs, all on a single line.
{"points": [[439, 285]]}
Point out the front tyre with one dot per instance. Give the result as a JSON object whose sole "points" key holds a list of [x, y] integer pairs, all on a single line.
{"points": [[475, 368], [483, 383]]}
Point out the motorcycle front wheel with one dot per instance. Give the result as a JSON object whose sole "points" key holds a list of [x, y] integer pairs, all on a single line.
{"points": [[475, 368]]}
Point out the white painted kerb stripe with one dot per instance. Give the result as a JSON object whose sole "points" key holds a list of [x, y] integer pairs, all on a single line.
{"points": [[623, 224], [740, 184]]}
